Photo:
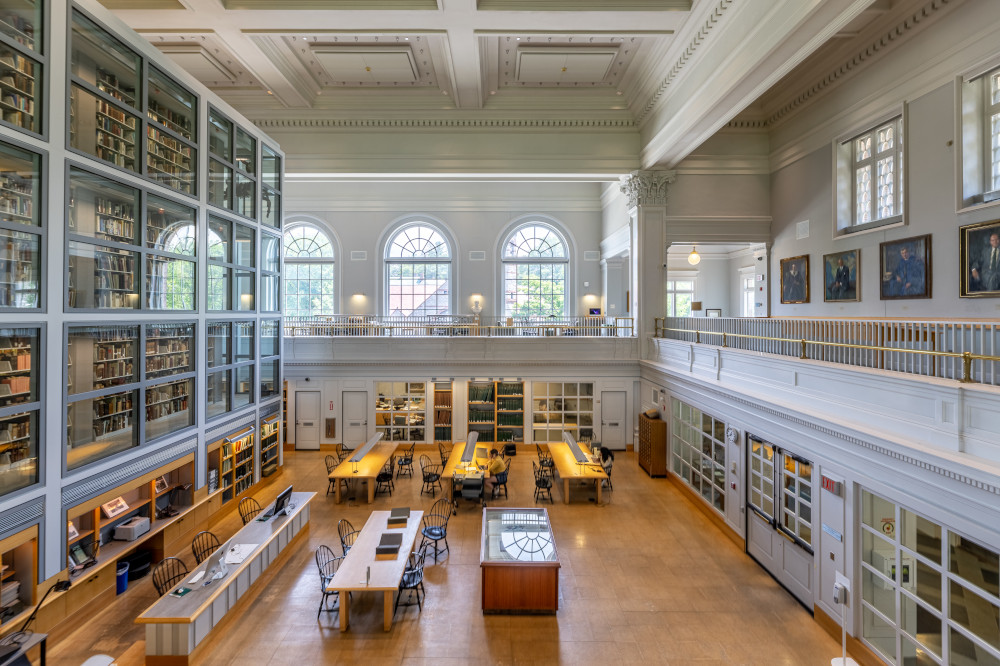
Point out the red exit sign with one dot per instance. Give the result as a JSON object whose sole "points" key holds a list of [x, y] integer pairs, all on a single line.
{"points": [[831, 485]]}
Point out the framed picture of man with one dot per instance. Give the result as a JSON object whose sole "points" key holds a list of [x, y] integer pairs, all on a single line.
{"points": [[905, 268], [842, 276], [979, 247], [795, 279]]}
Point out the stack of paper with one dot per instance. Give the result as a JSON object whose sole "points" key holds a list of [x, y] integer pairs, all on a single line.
{"points": [[8, 594]]}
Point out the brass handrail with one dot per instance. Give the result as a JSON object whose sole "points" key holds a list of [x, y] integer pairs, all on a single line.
{"points": [[967, 357]]}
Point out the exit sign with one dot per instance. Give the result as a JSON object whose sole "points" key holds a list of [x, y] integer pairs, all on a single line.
{"points": [[831, 485]]}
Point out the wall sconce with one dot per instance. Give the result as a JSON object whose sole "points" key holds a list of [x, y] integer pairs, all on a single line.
{"points": [[477, 304], [694, 258], [246, 301], [358, 295]]}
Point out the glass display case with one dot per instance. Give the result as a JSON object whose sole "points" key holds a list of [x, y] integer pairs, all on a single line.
{"points": [[169, 407], [106, 76], [20, 251], [19, 404], [245, 199], [270, 272], [20, 89], [220, 150], [270, 364], [270, 187], [401, 411], [102, 277], [169, 350], [559, 406], [102, 209], [519, 561], [171, 156], [21, 20]]}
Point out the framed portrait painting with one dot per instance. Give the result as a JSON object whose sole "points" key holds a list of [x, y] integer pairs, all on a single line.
{"points": [[795, 279], [905, 268], [979, 247], [842, 276]]}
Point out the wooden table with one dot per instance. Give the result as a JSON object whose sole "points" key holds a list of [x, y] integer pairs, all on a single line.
{"points": [[177, 627], [19, 656], [368, 468], [569, 469], [457, 468], [385, 573]]}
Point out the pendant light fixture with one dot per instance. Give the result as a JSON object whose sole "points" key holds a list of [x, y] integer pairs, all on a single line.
{"points": [[694, 258]]}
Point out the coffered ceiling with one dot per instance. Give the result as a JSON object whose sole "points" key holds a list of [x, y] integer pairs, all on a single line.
{"points": [[670, 71]]}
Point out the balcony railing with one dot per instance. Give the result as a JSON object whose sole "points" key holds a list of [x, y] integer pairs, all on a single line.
{"points": [[965, 351], [457, 325]]}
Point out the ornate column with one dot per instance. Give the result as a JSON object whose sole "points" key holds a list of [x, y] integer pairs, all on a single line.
{"points": [[647, 207]]}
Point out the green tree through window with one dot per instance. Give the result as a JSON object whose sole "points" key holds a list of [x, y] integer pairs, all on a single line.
{"points": [[534, 272], [309, 272]]}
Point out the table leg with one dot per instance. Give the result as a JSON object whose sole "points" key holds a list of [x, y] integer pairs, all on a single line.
{"points": [[345, 611], [566, 490], [387, 609], [41, 652], [336, 495], [371, 490], [600, 482]]}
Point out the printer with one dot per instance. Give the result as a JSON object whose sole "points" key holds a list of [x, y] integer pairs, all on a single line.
{"points": [[132, 529]]}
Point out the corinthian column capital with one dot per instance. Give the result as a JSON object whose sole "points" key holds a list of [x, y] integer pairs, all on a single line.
{"points": [[647, 187]]}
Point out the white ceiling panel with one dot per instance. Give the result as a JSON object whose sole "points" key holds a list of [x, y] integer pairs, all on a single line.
{"points": [[563, 65], [368, 64], [198, 62]]}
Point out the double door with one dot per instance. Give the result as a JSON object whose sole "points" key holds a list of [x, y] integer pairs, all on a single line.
{"points": [[779, 523]]}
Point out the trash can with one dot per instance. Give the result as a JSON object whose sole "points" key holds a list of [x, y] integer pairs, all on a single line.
{"points": [[121, 581]]}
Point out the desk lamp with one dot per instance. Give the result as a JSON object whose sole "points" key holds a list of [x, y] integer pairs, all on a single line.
{"points": [[12, 643]]}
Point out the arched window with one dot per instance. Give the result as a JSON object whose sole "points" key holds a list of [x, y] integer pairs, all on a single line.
{"points": [[309, 274], [417, 272], [535, 266]]}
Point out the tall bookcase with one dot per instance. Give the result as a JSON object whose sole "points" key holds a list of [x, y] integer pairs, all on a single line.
{"points": [[269, 426], [232, 458], [496, 410], [652, 451], [442, 412], [510, 412], [18, 558]]}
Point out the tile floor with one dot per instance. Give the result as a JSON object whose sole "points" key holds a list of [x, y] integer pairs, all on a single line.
{"points": [[645, 578]]}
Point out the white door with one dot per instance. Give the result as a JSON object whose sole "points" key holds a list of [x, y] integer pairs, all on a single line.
{"points": [[355, 411], [613, 419], [307, 420], [779, 523]]}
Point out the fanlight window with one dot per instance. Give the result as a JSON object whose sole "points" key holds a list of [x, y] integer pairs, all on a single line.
{"points": [[417, 272], [535, 267], [309, 272]]}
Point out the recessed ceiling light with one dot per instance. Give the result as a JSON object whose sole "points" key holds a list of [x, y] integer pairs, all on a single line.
{"points": [[493, 92], [518, 39], [618, 92], [269, 92], [407, 38], [444, 92]]}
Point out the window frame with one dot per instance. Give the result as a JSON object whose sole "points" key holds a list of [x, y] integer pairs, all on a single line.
{"points": [[671, 292], [565, 261], [387, 262], [845, 175], [308, 261], [230, 265], [747, 295]]}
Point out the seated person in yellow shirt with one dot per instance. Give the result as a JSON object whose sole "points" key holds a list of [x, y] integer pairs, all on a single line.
{"points": [[493, 467]]}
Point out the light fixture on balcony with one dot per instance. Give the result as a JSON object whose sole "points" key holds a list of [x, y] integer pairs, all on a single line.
{"points": [[694, 258]]}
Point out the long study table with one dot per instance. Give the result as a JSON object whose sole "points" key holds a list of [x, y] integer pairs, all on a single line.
{"points": [[570, 468], [367, 467], [460, 465], [385, 573], [177, 627]]}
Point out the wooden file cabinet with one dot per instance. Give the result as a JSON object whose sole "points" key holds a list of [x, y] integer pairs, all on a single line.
{"points": [[652, 453]]}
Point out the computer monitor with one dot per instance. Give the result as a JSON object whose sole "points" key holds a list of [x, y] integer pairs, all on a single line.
{"points": [[280, 504], [216, 567]]}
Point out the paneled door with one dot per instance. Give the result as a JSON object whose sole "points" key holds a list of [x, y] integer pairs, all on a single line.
{"points": [[779, 523], [613, 420], [307, 420], [355, 406]]}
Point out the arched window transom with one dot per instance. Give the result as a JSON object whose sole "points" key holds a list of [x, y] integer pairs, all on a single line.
{"points": [[417, 272], [535, 265], [309, 272]]}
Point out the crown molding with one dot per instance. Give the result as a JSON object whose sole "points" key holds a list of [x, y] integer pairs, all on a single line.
{"points": [[699, 38], [882, 41], [438, 123]]}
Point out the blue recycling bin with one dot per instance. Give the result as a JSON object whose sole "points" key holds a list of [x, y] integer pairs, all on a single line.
{"points": [[121, 581]]}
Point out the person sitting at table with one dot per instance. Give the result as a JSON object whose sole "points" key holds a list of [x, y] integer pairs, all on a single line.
{"points": [[493, 467], [607, 460]]}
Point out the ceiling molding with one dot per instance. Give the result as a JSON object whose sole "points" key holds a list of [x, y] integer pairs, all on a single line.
{"points": [[336, 5], [455, 123], [696, 42], [584, 5], [882, 42]]}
